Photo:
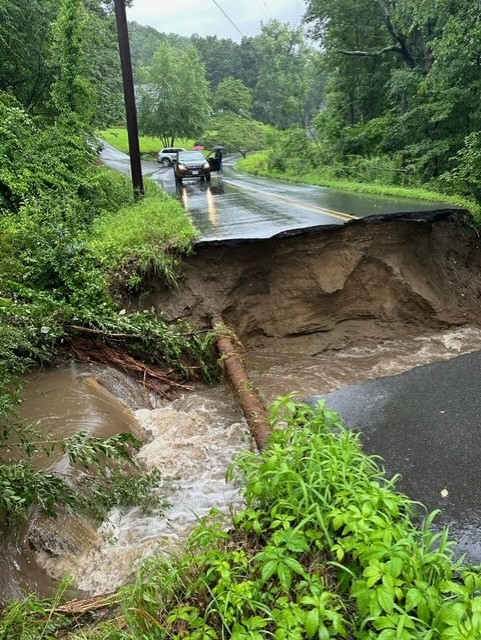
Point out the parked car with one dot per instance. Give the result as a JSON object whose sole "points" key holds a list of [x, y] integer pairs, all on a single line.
{"points": [[167, 156], [191, 164]]}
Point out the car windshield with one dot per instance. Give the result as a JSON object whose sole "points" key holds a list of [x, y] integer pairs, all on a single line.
{"points": [[189, 156]]}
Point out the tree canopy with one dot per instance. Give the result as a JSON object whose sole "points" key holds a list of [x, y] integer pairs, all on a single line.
{"points": [[232, 95], [403, 80], [174, 99], [279, 67]]}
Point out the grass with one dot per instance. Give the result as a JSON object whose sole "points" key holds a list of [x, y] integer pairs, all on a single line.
{"points": [[256, 164], [143, 236], [149, 146]]}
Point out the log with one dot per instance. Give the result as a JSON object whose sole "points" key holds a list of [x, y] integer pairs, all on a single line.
{"points": [[247, 394]]}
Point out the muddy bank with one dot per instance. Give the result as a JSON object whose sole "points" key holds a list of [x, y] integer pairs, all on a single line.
{"points": [[378, 277]]}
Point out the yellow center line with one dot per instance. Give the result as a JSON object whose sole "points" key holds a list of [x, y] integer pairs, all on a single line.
{"points": [[312, 207]]}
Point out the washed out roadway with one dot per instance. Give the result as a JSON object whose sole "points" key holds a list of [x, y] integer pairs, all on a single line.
{"points": [[425, 423]]}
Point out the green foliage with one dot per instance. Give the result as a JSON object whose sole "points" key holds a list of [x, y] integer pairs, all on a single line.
{"points": [[288, 87], [71, 93], [221, 57], [72, 49], [324, 548], [290, 150], [174, 97], [53, 281], [25, 39], [235, 132], [144, 237], [279, 68], [149, 145], [401, 79], [232, 95], [465, 177], [106, 481]]}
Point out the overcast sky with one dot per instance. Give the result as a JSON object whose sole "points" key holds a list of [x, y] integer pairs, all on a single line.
{"points": [[205, 18]]}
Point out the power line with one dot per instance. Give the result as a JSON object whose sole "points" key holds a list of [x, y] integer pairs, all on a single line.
{"points": [[232, 23], [262, 9], [267, 8]]}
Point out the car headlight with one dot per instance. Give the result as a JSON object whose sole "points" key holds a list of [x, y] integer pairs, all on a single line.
{"points": [[206, 165], [182, 167]]}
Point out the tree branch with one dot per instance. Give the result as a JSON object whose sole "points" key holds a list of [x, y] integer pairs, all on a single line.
{"points": [[393, 47], [397, 35]]}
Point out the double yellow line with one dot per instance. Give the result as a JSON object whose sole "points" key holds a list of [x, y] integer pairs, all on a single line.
{"points": [[310, 207]]}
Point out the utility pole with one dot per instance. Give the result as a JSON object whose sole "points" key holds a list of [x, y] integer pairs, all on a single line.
{"points": [[129, 98]]}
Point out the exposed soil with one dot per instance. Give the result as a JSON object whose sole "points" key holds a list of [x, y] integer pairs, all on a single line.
{"points": [[377, 277]]}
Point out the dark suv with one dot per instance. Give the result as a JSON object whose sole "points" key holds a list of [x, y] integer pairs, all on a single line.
{"points": [[191, 164]]}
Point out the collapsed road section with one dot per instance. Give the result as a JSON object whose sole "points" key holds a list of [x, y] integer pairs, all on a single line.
{"points": [[379, 277]]}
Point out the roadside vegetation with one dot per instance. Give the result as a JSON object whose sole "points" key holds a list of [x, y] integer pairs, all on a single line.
{"points": [[149, 145], [325, 547], [378, 182], [73, 249]]}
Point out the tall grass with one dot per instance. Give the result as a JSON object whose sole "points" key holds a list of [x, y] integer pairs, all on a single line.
{"points": [[258, 164], [148, 235]]}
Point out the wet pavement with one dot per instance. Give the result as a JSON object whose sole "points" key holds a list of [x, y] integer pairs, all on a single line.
{"points": [[236, 205], [426, 424]]}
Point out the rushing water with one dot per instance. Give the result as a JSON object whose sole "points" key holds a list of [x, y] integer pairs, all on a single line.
{"points": [[192, 439]]}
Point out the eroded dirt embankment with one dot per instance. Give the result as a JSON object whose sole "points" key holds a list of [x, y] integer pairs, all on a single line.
{"points": [[377, 277]]}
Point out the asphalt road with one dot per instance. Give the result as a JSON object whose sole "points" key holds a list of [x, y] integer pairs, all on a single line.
{"points": [[426, 424], [235, 205]]}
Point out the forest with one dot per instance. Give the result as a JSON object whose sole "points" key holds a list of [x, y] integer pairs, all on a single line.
{"points": [[380, 91]]}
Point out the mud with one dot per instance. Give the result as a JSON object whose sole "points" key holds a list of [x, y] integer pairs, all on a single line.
{"points": [[375, 278]]}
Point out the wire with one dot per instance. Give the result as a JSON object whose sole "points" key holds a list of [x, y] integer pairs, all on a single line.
{"points": [[262, 9], [270, 15], [232, 23]]}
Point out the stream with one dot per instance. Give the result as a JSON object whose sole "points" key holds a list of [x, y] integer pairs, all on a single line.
{"points": [[192, 440]]}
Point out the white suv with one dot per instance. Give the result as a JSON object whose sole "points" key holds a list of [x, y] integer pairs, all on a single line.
{"points": [[168, 155]]}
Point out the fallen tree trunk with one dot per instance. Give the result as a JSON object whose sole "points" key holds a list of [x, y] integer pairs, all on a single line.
{"points": [[247, 394]]}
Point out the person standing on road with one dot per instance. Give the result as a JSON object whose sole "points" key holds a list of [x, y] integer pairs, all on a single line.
{"points": [[218, 156]]}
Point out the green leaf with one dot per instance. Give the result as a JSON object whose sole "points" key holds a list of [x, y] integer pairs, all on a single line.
{"points": [[269, 569], [413, 598], [311, 623], [285, 576], [385, 599]]}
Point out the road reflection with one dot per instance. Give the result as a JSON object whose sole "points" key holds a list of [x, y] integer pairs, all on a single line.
{"points": [[203, 196]]}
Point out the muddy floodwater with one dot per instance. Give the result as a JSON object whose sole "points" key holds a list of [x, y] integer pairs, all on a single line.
{"points": [[316, 312], [192, 439]]}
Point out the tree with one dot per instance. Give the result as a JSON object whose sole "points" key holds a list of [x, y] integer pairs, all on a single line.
{"points": [[145, 40], [24, 42], [71, 91], [286, 76], [222, 58], [175, 99], [232, 95], [401, 78], [235, 132]]}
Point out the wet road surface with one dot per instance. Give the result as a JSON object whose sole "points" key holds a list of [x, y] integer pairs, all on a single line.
{"points": [[426, 424], [235, 205]]}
